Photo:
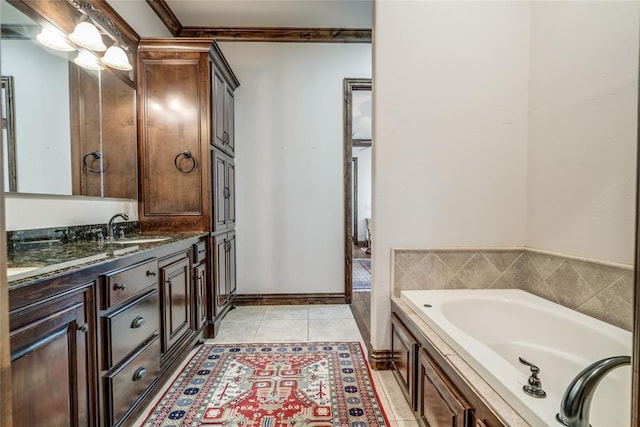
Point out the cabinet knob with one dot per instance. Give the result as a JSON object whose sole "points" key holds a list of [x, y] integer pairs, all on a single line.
{"points": [[138, 322], [120, 286], [83, 328], [139, 374], [151, 273], [226, 193], [225, 137]]}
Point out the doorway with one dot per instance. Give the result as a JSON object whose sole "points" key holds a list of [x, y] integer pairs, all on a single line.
{"points": [[357, 200]]}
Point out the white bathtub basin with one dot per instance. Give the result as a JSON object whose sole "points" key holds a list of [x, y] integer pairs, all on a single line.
{"points": [[491, 328]]}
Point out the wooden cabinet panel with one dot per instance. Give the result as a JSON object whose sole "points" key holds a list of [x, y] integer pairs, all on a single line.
{"points": [[200, 274], [126, 283], [53, 345], [129, 327], [171, 88], [220, 272], [404, 350], [229, 106], [125, 384], [440, 403], [218, 109], [176, 301], [224, 200], [231, 264]]}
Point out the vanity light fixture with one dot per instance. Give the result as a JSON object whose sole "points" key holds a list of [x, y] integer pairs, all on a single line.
{"points": [[88, 36], [88, 61], [116, 57], [54, 39]]}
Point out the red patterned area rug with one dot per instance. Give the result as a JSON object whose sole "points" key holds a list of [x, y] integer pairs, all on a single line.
{"points": [[324, 384]]}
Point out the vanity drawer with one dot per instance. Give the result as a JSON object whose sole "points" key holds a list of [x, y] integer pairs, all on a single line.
{"points": [[122, 285], [125, 385], [129, 327], [199, 252]]}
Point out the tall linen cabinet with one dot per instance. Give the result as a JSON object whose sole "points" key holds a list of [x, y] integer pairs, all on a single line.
{"points": [[186, 149]]}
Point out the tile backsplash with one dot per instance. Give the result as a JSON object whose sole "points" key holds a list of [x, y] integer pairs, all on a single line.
{"points": [[600, 290]]}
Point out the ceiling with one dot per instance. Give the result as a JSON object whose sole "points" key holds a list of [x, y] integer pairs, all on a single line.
{"points": [[274, 13]]}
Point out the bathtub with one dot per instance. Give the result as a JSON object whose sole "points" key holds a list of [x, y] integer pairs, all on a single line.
{"points": [[491, 328]]}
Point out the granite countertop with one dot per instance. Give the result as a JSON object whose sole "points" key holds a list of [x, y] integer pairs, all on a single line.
{"points": [[33, 261]]}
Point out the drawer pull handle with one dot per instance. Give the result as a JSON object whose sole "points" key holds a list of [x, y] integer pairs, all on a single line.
{"points": [[120, 286], [138, 322], [83, 328], [151, 273], [139, 374]]}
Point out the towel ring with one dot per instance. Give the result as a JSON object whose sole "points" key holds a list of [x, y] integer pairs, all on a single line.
{"points": [[96, 155], [187, 155]]}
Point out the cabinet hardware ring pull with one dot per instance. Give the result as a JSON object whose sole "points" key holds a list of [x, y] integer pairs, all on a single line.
{"points": [[139, 374], [138, 322], [120, 286], [225, 137], [187, 155], [96, 155]]}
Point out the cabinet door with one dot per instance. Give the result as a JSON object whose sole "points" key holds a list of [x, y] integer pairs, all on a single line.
{"points": [[404, 350], [200, 275], [229, 105], [220, 271], [52, 363], [230, 192], [440, 404], [171, 126], [219, 91], [220, 201], [176, 298], [231, 264]]}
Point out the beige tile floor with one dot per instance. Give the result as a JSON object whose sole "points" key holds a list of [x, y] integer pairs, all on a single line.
{"points": [[306, 323]]}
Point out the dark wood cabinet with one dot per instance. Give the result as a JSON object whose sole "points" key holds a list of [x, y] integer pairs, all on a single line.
{"points": [[175, 296], [53, 345], [200, 281], [223, 179], [224, 268], [440, 404], [223, 111], [404, 349]]}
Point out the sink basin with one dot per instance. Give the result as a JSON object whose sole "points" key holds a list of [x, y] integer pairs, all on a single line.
{"points": [[14, 271], [142, 240]]}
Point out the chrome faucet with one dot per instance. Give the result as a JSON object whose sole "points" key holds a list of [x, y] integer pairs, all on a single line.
{"points": [[576, 401], [110, 232]]}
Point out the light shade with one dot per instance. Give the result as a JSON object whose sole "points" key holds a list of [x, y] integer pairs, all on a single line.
{"points": [[54, 40], [88, 61], [87, 35], [116, 57]]}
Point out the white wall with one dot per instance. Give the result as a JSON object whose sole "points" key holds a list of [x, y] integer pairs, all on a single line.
{"points": [[27, 211], [582, 129], [43, 139], [289, 155], [450, 131], [363, 154]]}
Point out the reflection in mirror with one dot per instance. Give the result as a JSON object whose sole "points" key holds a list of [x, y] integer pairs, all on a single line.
{"points": [[75, 128]]}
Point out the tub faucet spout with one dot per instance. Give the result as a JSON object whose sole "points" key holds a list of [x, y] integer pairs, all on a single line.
{"points": [[575, 403]]}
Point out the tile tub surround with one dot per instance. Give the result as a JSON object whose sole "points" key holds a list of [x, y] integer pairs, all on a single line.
{"points": [[600, 290]]}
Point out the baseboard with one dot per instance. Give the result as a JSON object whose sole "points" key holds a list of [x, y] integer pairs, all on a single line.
{"points": [[289, 299], [380, 360]]}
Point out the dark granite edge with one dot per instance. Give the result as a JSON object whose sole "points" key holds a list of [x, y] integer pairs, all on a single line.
{"points": [[79, 255]]}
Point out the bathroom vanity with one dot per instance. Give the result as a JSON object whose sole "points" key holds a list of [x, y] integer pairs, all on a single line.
{"points": [[90, 342]]}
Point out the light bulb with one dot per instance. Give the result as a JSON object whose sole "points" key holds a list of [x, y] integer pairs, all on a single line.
{"points": [[87, 35], [54, 40], [88, 61], [116, 57]]}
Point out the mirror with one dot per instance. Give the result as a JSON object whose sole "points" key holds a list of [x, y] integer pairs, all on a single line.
{"points": [[68, 130]]}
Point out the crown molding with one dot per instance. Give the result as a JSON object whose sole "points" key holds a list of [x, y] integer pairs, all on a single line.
{"points": [[258, 34]]}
